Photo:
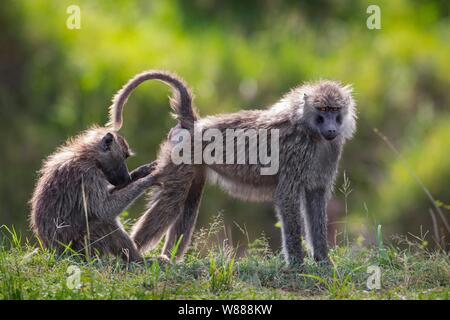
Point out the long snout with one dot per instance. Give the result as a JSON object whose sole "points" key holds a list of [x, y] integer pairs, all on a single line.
{"points": [[330, 132]]}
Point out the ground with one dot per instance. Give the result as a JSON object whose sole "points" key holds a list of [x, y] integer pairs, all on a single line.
{"points": [[408, 270]]}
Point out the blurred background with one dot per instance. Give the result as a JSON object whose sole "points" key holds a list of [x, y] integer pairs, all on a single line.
{"points": [[55, 82]]}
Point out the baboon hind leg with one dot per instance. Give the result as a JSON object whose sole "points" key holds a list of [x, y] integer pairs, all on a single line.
{"points": [[111, 238], [164, 209], [181, 231]]}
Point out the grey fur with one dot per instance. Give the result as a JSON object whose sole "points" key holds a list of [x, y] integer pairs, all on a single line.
{"points": [[309, 156], [181, 102], [79, 176]]}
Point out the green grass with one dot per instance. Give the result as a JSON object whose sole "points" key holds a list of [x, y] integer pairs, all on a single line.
{"points": [[212, 270]]}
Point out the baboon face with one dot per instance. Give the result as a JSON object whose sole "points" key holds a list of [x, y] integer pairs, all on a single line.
{"points": [[326, 111], [114, 151], [328, 120]]}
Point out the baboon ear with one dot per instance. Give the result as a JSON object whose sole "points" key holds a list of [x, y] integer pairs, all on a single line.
{"points": [[305, 100], [107, 141]]}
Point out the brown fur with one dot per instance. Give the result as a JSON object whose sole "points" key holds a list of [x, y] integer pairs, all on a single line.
{"points": [[74, 183]]}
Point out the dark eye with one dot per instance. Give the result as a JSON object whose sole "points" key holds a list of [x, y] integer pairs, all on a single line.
{"points": [[335, 109], [339, 119], [319, 120]]}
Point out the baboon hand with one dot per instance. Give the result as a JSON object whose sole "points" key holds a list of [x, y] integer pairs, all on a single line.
{"points": [[143, 171]]}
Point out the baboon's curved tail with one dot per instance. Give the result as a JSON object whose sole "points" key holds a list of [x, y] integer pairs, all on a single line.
{"points": [[181, 101]]}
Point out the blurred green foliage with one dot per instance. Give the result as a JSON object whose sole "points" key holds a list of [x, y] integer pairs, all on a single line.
{"points": [[55, 82]]}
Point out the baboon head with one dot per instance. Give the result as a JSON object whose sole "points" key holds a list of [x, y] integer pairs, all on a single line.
{"points": [[112, 155], [329, 110]]}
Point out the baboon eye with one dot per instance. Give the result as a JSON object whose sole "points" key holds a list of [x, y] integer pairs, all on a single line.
{"points": [[335, 109], [129, 153], [107, 140], [322, 109], [319, 120]]}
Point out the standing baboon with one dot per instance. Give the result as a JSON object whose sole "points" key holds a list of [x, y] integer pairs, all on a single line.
{"points": [[313, 122]]}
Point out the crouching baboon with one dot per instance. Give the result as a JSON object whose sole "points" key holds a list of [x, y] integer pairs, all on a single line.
{"points": [[312, 123], [88, 178]]}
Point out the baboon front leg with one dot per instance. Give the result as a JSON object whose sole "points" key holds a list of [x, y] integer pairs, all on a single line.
{"points": [[315, 213], [185, 224], [287, 206], [119, 199]]}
